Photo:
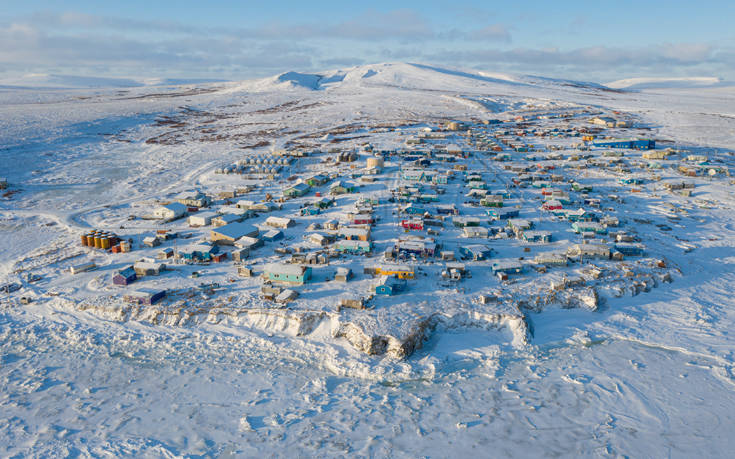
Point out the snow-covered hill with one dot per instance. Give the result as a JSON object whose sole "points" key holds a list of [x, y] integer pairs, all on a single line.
{"points": [[666, 83]]}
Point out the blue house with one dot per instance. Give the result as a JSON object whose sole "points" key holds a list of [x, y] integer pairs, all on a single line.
{"points": [[415, 210], [390, 285], [630, 249], [502, 214], [199, 252], [635, 144], [476, 252]]}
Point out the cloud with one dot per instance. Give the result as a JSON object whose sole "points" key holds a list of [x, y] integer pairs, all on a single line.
{"points": [[494, 32], [78, 43], [595, 57]]}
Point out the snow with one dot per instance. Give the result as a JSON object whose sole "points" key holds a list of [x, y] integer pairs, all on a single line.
{"points": [[648, 374], [667, 82]]}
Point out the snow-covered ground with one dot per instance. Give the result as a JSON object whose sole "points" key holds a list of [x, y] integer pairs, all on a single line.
{"points": [[647, 375]]}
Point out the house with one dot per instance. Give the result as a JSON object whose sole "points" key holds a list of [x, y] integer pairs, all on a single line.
{"points": [[414, 210], [331, 225], [165, 253], [551, 259], [296, 190], [630, 249], [310, 210], [343, 274], [606, 121], [390, 285], [279, 222], [287, 273], [440, 179], [125, 276], [317, 180], [588, 227], [492, 200], [193, 198], [201, 219], [245, 204], [552, 205], [354, 233], [360, 219], [507, 267], [247, 242], [475, 252], [413, 224], [144, 296], [519, 224], [321, 239], [170, 211], [148, 268], [502, 214], [272, 235], [635, 144], [413, 175], [412, 246], [588, 250], [475, 232], [400, 271], [240, 255], [228, 234], [355, 247], [151, 241], [226, 219], [198, 252], [342, 187], [536, 236], [462, 222], [447, 209]]}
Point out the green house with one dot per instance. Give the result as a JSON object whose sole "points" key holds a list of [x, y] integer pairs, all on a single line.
{"points": [[299, 189], [287, 273]]}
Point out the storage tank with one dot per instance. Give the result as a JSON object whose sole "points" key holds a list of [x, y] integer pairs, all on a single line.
{"points": [[84, 239], [104, 242], [124, 246], [374, 161]]}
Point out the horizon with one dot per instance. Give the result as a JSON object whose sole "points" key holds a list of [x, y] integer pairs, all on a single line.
{"points": [[234, 42]]}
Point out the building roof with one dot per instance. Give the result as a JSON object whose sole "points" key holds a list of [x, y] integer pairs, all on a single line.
{"points": [[236, 230], [282, 268]]}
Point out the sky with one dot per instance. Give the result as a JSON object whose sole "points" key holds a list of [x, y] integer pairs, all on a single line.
{"points": [[236, 40]]}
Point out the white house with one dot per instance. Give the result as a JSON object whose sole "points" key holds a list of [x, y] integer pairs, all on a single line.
{"points": [[201, 218], [170, 211], [279, 222]]}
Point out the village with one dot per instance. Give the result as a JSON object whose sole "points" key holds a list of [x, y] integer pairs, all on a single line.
{"points": [[393, 229]]}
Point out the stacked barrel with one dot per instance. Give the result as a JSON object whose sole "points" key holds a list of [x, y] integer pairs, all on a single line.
{"points": [[100, 239]]}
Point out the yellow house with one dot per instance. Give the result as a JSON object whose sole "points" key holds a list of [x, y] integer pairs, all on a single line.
{"points": [[400, 271]]}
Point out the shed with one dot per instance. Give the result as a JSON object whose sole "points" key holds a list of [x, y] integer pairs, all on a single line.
{"points": [[286, 296], [343, 274], [82, 267], [125, 276], [144, 296]]}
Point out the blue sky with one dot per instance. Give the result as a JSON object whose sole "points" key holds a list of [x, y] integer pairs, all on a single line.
{"points": [[238, 40]]}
